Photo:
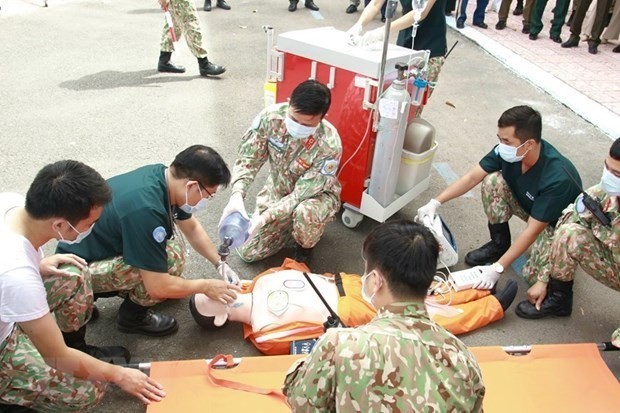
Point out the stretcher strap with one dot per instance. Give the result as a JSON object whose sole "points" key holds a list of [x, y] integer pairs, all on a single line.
{"points": [[339, 285], [236, 385]]}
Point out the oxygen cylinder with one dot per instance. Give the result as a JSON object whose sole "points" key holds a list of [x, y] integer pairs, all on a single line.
{"points": [[393, 111], [234, 229]]}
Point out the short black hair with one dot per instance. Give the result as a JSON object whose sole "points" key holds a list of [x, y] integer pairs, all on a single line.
{"points": [[526, 120], [203, 164], [405, 253], [614, 151], [311, 98], [66, 189]]}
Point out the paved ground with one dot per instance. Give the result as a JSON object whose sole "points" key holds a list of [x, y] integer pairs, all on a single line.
{"points": [[78, 80]]}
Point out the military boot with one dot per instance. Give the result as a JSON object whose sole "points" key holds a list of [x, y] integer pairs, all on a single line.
{"points": [[207, 6], [223, 5], [136, 319], [492, 250], [165, 66], [292, 6], [109, 354], [209, 69], [302, 254], [559, 302]]}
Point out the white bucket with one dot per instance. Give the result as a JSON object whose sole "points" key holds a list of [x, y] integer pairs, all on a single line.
{"points": [[414, 168]]}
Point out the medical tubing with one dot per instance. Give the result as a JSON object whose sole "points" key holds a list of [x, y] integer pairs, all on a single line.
{"points": [[316, 290]]}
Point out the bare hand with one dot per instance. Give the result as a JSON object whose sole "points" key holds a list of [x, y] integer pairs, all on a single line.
{"points": [[139, 385], [49, 265], [537, 293], [221, 291], [164, 4]]}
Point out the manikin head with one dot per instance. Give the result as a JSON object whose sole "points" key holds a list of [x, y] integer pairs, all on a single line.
{"points": [[400, 258]]}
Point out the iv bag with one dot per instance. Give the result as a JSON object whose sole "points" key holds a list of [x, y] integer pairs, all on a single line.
{"points": [[418, 7]]}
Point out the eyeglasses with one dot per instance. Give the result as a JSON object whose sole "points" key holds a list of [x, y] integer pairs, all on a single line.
{"points": [[211, 195]]}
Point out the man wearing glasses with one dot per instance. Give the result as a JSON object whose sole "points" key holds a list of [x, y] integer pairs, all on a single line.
{"points": [[136, 251]]}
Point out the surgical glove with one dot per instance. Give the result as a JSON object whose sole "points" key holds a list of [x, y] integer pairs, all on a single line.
{"points": [[615, 338], [353, 34], [488, 277], [235, 204], [373, 36], [428, 210], [228, 274], [256, 223]]}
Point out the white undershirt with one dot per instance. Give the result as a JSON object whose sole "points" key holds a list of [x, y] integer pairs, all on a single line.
{"points": [[22, 293]]}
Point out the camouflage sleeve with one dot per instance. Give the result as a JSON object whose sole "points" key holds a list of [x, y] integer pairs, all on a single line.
{"points": [[310, 384], [252, 154], [319, 178]]}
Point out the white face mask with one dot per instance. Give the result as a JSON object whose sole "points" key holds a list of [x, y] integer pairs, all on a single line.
{"points": [[80, 237], [610, 183], [191, 209], [509, 153], [364, 294], [298, 131]]}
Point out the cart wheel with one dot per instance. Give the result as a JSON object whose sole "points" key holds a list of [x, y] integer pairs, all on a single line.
{"points": [[351, 219]]}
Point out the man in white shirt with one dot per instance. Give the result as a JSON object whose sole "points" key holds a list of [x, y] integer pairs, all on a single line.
{"points": [[37, 369]]}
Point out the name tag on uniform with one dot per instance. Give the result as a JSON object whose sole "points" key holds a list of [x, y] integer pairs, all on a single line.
{"points": [[303, 163], [530, 196], [276, 143]]}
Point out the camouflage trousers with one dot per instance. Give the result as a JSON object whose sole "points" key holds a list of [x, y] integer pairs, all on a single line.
{"points": [[500, 204], [185, 21], [305, 226], [113, 275], [434, 67], [27, 380], [574, 244]]}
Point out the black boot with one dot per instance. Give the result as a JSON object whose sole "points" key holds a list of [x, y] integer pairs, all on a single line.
{"points": [[207, 6], [14, 408], [592, 47], [507, 295], [109, 354], [136, 319], [559, 302], [310, 5], [573, 41], [209, 69], [302, 254], [223, 5], [164, 64], [492, 250], [518, 9], [292, 5]]}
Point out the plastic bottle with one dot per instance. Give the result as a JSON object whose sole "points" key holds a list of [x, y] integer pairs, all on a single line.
{"points": [[234, 229], [393, 109]]}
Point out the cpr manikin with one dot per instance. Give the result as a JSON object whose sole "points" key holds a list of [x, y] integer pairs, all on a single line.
{"points": [[276, 299]]}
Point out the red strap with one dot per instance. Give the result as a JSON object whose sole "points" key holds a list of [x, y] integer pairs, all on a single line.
{"points": [[236, 385]]}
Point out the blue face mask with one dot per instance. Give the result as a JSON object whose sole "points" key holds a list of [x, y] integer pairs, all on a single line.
{"points": [[509, 153], [191, 209], [610, 183], [80, 237], [297, 130]]}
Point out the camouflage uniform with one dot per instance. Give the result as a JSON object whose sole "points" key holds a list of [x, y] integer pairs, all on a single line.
{"points": [[302, 192], [581, 240], [115, 275], [401, 361], [185, 21], [434, 67], [26, 379], [500, 204]]}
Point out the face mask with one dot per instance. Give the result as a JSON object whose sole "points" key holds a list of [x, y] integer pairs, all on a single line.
{"points": [[191, 209], [80, 236], [298, 131], [509, 153], [364, 295], [610, 183]]}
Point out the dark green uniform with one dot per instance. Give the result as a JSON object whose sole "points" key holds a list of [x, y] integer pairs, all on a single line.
{"points": [[542, 193], [133, 232]]}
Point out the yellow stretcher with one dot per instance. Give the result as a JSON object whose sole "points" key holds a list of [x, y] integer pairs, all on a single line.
{"points": [[550, 378]]}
